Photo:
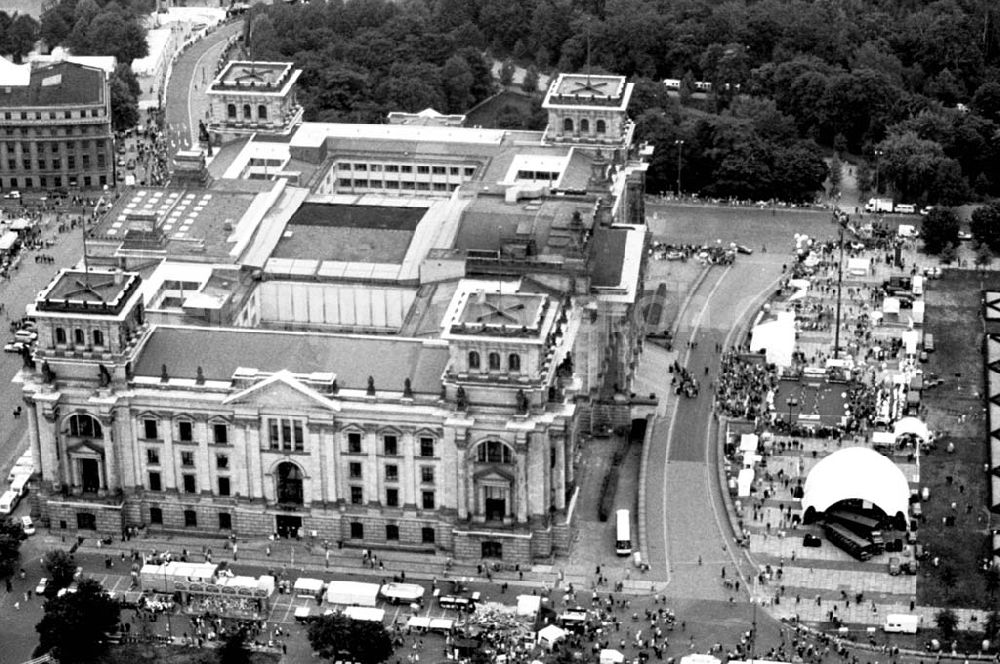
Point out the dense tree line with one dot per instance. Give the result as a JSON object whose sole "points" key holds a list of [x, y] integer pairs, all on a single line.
{"points": [[18, 34], [98, 27]]}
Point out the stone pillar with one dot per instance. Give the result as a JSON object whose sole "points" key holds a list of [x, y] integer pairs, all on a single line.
{"points": [[559, 472], [369, 465], [455, 444], [206, 469], [128, 462], [338, 491], [34, 438], [409, 473], [169, 461], [255, 471], [110, 480], [521, 481], [48, 441]]}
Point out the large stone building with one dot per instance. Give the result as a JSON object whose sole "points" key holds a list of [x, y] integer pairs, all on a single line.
{"points": [[55, 128], [389, 335]]}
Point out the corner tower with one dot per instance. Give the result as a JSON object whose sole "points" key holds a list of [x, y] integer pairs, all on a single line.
{"points": [[589, 110]]}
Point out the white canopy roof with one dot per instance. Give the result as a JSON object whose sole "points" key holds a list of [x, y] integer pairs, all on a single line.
{"points": [[911, 425], [528, 605], [365, 613], [304, 584], [609, 656], [550, 634], [858, 473]]}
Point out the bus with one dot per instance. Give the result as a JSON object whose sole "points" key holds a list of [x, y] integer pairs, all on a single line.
{"points": [[852, 543], [623, 536], [864, 526]]}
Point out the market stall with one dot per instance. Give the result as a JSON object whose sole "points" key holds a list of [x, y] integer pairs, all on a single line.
{"points": [[308, 588], [402, 593], [365, 613], [352, 593], [550, 635], [237, 597]]}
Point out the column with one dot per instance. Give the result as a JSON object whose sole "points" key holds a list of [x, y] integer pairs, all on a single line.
{"points": [[338, 491], [168, 460], [255, 472], [409, 471], [369, 466], [321, 439], [521, 482], [109, 480], [453, 444], [34, 439], [125, 449], [559, 472], [47, 445], [205, 460], [241, 460]]}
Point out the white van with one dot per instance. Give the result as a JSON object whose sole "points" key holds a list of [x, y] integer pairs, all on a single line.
{"points": [[9, 501], [20, 484], [20, 469], [901, 623]]}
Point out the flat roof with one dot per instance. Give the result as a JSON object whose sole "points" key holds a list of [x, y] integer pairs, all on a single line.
{"points": [[221, 351], [58, 84], [349, 233], [102, 291], [503, 309], [259, 78], [607, 253], [588, 91]]}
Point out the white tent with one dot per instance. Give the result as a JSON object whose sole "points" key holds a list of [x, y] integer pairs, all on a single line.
{"points": [[859, 267], [365, 613], [857, 473], [305, 587], [911, 338], [609, 656], [528, 605], [744, 481], [8, 239], [549, 635], [748, 442], [776, 337], [352, 593], [890, 305], [883, 438], [911, 425], [918, 312], [700, 658]]}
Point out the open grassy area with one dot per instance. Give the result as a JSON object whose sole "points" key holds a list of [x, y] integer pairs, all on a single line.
{"points": [[156, 654], [957, 481]]}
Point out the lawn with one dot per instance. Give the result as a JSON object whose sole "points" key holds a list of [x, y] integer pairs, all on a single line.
{"points": [[957, 483], [157, 654]]}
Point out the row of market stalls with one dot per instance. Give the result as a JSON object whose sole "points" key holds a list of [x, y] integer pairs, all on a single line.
{"points": [[206, 588], [993, 400]]}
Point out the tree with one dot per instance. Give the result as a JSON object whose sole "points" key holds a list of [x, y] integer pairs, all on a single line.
{"points": [[986, 101], [20, 37], [835, 174], [863, 175], [60, 566], [125, 93], [75, 626], [984, 258], [992, 626], [11, 536], [117, 35], [507, 72], [457, 80], [338, 637], [947, 622], [530, 82], [234, 648], [985, 225], [941, 228]]}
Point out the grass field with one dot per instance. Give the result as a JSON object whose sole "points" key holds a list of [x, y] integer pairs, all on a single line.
{"points": [[957, 481]]}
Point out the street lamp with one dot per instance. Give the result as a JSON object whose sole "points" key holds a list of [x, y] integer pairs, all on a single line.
{"points": [[841, 220], [878, 155], [680, 147], [791, 402]]}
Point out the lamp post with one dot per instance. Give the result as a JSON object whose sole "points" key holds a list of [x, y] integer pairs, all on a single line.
{"points": [[791, 402], [878, 158], [841, 222], [680, 148]]}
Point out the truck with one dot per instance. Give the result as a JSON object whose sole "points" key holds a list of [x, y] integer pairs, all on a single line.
{"points": [[901, 623], [879, 205]]}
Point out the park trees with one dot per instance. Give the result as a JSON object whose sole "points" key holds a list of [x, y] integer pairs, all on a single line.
{"points": [[11, 536], [985, 227], [75, 626], [339, 637], [125, 92], [60, 567], [940, 230]]}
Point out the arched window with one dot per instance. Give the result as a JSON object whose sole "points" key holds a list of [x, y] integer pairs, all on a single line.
{"points": [[60, 335], [79, 337], [262, 112], [473, 359], [513, 362], [83, 425], [246, 112], [568, 124], [601, 127], [231, 111], [585, 125], [494, 361], [493, 451], [289, 483], [98, 337]]}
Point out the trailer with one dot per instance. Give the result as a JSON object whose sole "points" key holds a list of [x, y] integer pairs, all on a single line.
{"points": [[402, 593], [901, 623]]}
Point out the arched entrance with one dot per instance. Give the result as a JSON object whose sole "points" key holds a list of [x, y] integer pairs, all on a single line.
{"points": [[289, 484]]}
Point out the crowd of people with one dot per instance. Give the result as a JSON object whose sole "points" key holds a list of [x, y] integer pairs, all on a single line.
{"points": [[744, 385]]}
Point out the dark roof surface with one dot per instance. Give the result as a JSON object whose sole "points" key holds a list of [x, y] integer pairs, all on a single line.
{"points": [[607, 251], [220, 351], [68, 83], [359, 216], [350, 233]]}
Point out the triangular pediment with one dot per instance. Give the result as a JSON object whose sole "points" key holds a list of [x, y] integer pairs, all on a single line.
{"points": [[280, 392], [85, 446], [493, 476]]}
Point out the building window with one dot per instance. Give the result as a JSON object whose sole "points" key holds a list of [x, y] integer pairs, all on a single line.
{"points": [[56, 163], [427, 535], [602, 127], [392, 168], [150, 427], [392, 532], [568, 124], [426, 446], [391, 473], [392, 497], [60, 336], [494, 361], [231, 111], [222, 461], [585, 125], [70, 162], [427, 474], [154, 482], [491, 550], [285, 434], [357, 495], [98, 337], [427, 499], [453, 170], [473, 359], [493, 451], [156, 516], [290, 484], [361, 167], [84, 426], [185, 431], [152, 457], [262, 112], [423, 169], [390, 445], [190, 519], [223, 486], [354, 470], [220, 432], [354, 442], [187, 459], [357, 530], [438, 170], [247, 115], [189, 484], [225, 521], [79, 337], [513, 362]]}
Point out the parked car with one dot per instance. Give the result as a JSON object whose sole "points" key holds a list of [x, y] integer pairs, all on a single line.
{"points": [[14, 347], [811, 540], [894, 568], [743, 249], [13, 195], [27, 525], [43, 584]]}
